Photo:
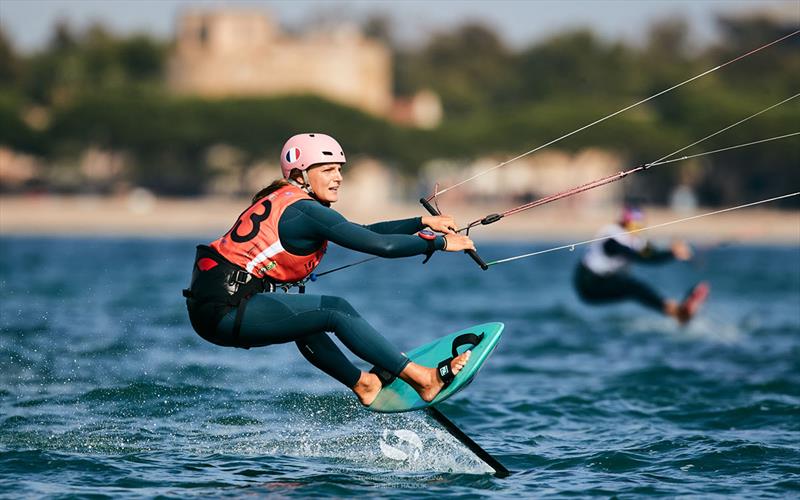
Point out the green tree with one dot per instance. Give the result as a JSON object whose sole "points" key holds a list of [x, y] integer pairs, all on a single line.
{"points": [[9, 62], [576, 64], [470, 69], [92, 60]]}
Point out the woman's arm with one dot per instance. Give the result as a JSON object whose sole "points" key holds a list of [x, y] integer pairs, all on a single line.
{"points": [[439, 223], [401, 226], [307, 223], [648, 254]]}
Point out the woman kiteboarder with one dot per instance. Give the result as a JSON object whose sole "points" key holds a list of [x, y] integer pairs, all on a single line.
{"points": [[277, 242]]}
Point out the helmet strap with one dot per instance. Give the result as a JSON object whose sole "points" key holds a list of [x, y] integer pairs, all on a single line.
{"points": [[306, 186]]}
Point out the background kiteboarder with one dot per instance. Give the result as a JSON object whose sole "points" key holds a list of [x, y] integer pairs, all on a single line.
{"points": [[602, 275]]}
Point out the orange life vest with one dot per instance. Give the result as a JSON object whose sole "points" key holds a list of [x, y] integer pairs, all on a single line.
{"points": [[254, 244]]}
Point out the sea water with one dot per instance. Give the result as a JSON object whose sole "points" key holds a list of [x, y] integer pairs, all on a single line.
{"points": [[106, 390]]}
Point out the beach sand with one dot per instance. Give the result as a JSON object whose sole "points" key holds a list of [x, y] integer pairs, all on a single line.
{"points": [[148, 216]]}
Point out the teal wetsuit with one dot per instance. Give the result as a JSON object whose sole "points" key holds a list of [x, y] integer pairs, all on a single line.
{"points": [[275, 318]]}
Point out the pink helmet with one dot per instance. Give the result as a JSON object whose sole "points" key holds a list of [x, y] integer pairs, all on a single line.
{"points": [[303, 151]]}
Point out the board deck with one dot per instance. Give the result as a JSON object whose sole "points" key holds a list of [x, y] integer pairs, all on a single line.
{"points": [[400, 397]]}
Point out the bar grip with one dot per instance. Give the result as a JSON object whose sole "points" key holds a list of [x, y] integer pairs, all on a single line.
{"points": [[472, 253]]}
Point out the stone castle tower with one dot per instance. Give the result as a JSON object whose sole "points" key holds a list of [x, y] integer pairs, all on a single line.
{"points": [[237, 53]]}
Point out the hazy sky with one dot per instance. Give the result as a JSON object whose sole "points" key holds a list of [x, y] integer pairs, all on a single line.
{"points": [[29, 22]]}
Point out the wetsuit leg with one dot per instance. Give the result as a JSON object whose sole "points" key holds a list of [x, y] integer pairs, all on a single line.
{"points": [[278, 318], [643, 293], [597, 289], [321, 351]]}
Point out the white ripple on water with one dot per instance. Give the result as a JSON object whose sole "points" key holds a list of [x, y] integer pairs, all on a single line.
{"points": [[363, 443], [705, 327]]}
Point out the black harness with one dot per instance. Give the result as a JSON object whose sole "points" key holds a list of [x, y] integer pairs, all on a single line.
{"points": [[219, 285], [215, 279]]}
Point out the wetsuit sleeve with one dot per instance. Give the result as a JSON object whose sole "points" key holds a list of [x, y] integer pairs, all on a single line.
{"points": [[315, 222], [402, 226], [648, 254]]}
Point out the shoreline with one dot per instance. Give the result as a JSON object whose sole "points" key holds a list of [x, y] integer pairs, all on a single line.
{"points": [[168, 217]]}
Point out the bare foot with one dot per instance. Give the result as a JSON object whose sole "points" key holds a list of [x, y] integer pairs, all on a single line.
{"points": [[672, 309], [431, 384], [367, 388], [693, 301]]}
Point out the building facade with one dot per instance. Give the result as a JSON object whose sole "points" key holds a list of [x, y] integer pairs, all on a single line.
{"points": [[244, 53]]}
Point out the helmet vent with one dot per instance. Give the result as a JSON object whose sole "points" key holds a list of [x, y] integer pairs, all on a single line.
{"points": [[327, 153]]}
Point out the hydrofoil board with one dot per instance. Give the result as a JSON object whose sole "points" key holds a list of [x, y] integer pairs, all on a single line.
{"points": [[400, 397]]}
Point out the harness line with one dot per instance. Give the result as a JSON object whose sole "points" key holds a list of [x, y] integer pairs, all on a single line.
{"points": [[600, 120], [572, 246], [489, 219], [784, 136], [724, 129], [314, 276]]}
